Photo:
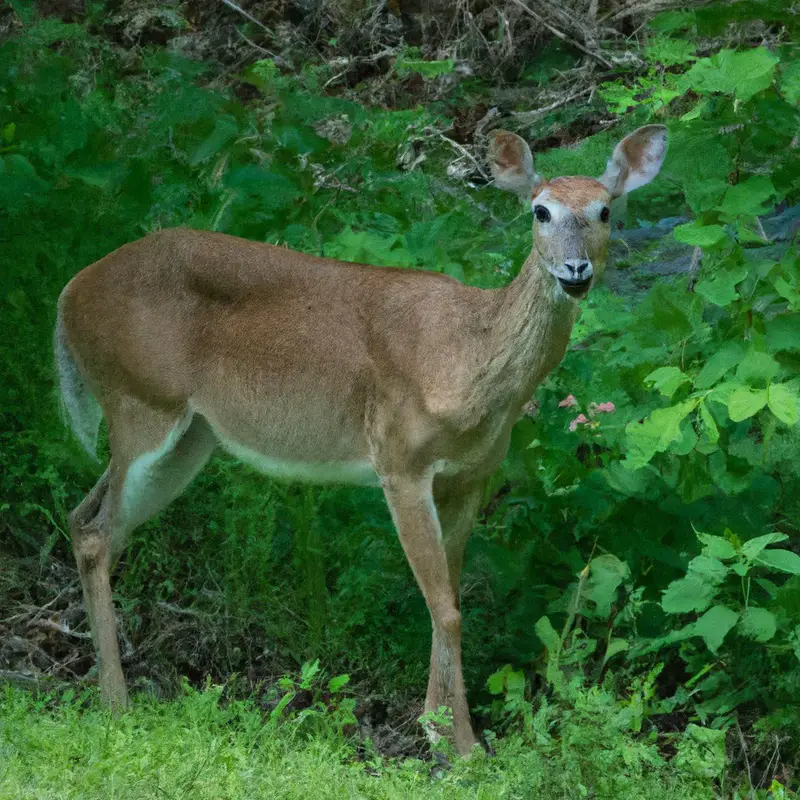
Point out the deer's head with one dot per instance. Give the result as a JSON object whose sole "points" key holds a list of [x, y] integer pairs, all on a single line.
{"points": [[571, 215]]}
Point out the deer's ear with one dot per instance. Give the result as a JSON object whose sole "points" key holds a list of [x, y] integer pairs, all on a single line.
{"points": [[511, 162], [636, 160]]}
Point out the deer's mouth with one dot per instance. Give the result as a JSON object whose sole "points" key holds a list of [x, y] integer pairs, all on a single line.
{"points": [[575, 289]]}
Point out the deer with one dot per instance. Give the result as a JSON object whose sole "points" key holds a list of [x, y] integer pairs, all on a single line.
{"points": [[324, 371]]}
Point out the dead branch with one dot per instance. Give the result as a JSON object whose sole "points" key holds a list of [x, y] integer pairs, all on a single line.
{"points": [[563, 36], [524, 117]]}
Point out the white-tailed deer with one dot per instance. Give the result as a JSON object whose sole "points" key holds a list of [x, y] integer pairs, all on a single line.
{"points": [[324, 371]]}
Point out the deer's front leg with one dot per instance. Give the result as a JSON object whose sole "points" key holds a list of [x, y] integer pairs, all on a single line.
{"points": [[410, 500]]}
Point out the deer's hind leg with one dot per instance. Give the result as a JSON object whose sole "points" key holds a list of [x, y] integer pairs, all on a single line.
{"points": [[154, 456]]}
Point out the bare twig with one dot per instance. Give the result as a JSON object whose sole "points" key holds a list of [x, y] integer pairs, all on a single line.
{"points": [[257, 46], [649, 6], [464, 152], [746, 759], [178, 610], [51, 625], [247, 15], [531, 116], [776, 754], [563, 36], [479, 134]]}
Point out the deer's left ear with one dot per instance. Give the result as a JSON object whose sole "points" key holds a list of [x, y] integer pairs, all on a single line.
{"points": [[636, 160]]}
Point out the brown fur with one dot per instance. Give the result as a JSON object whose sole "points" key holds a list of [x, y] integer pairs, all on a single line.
{"points": [[575, 193]]}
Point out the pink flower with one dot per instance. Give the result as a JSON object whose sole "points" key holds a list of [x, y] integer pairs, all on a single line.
{"points": [[601, 408], [568, 402], [579, 420]]}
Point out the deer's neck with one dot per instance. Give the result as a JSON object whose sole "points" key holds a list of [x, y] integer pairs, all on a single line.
{"points": [[531, 328]]}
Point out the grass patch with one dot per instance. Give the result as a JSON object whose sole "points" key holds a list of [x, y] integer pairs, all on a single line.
{"points": [[204, 746]]}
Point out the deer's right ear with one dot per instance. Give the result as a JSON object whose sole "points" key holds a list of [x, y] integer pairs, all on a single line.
{"points": [[511, 162]]}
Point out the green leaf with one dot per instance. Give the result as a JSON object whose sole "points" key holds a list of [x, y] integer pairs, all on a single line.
{"points": [[272, 190], [748, 197], [708, 568], [428, 69], [720, 288], [225, 130], [700, 235], [496, 682], [691, 593], [744, 403], [757, 368], [784, 560], [725, 359], [742, 73], [716, 546], [606, 573], [547, 633], [758, 624], [667, 379], [370, 247], [615, 646], [337, 683], [101, 175], [783, 401], [752, 547], [783, 332], [790, 81], [656, 433], [789, 291], [709, 425], [308, 671], [714, 625]]}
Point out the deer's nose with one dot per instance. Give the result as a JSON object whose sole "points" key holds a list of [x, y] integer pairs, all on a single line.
{"points": [[578, 269]]}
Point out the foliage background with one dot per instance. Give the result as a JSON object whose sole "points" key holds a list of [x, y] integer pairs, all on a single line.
{"points": [[586, 581]]}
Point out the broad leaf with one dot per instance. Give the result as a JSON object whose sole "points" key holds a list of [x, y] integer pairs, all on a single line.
{"points": [[691, 593], [784, 560], [748, 197], [225, 130], [783, 402], [758, 624], [783, 332], [724, 360], [547, 633], [667, 379], [338, 682], [714, 625], [742, 73], [716, 546], [606, 573], [656, 433], [757, 368], [700, 235], [752, 547], [709, 425], [720, 288], [744, 403], [708, 568], [615, 646]]}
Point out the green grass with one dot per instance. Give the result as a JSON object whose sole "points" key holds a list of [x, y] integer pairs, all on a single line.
{"points": [[200, 746]]}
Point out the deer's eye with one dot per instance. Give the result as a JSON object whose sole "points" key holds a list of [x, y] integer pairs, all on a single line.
{"points": [[542, 214], [605, 214]]}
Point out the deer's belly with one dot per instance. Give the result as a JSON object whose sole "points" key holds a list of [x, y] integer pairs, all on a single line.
{"points": [[358, 472]]}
